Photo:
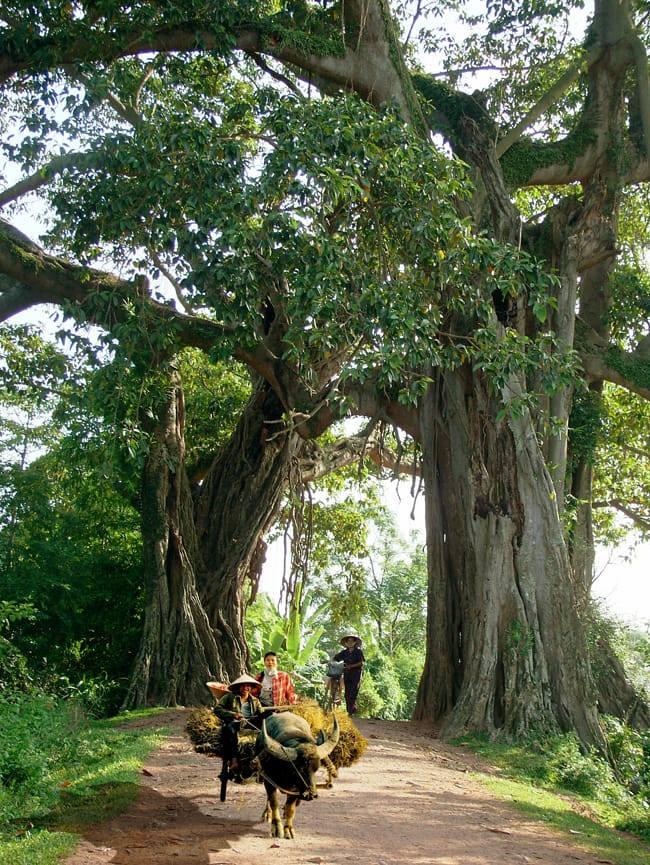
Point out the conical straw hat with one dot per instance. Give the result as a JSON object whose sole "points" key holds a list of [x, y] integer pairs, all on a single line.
{"points": [[244, 680]]}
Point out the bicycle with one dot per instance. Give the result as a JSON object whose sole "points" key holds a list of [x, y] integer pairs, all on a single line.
{"points": [[333, 685]]}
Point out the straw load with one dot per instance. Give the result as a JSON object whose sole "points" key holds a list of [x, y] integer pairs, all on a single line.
{"points": [[351, 744], [204, 730]]}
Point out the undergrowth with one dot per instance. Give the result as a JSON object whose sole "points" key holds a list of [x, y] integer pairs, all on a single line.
{"points": [[551, 779], [60, 771]]}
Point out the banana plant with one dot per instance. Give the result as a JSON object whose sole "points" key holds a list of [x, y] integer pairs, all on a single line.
{"points": [[294, 638]]}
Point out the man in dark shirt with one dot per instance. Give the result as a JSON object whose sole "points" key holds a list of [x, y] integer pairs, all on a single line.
{"points": [[354, 660], [239, 706]]}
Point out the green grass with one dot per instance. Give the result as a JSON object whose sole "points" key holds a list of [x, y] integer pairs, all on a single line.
{"points": [[529, 782], [90, 775]]}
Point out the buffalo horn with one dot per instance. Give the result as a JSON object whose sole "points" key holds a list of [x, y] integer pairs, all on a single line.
{"points": [[329, 744], [275, 749]]}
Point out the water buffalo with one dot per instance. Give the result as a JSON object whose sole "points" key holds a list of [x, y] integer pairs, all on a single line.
{"points": [[288, 757]]}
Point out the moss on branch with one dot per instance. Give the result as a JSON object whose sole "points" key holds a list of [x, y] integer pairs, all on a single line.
{"points": [[307, 28], [446, 109], [525, 157], [632, 367]]}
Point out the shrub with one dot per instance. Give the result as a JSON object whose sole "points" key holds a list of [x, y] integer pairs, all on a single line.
{"points": [[369, 701], [408, 666], [34, 730], [388, 688], [569, 768], [99, 695], [14, 672], [626, 751]]}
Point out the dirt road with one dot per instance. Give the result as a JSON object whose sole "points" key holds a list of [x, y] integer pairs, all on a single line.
{"points": [[409, 800]]}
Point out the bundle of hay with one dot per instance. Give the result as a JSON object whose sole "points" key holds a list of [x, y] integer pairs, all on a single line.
{"points": [[351, 744], [204, 730]]}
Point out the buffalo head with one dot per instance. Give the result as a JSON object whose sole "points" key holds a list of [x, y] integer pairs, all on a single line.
{"points": [[287, 738]]}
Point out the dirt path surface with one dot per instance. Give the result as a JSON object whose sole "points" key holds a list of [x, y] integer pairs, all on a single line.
{"points": [[409, 800]]}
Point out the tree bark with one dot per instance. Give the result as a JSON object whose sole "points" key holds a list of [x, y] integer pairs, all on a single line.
{"points": [[442, 673], [236, 505], [178, 651], [503, 597]]}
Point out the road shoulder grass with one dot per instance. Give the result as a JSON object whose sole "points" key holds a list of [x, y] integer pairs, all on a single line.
{"points": [[92, 777], [588, 822]]}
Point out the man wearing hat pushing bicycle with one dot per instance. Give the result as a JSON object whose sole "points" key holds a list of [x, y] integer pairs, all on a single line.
{"points": [[354, 660]]}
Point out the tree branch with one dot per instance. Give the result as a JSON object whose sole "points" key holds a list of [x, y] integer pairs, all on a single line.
{"points": [[598, 367], [50, 279], [372, 68], [641, 521], [278, 76], [57, 165], [106, 300], [169, 276], [548, 99], [15, 298], [319, 461]]}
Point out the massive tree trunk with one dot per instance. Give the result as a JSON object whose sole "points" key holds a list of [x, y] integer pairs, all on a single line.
{"points": [[198, 551], [502, 594], [503, 598], [236, 504], [178, 652]]}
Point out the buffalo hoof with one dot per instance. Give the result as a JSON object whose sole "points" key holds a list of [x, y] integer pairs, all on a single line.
{"points": [[288, 832]]}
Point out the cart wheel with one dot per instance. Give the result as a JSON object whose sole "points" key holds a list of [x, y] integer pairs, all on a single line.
{"points": [[224, 781]]}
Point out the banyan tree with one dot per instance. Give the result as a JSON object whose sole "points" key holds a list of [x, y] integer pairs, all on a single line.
{"points": [[367, 233]]}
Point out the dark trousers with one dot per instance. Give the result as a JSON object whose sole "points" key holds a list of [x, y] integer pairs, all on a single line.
{"points": [[352, 683], [230, 735], [230, 739]]}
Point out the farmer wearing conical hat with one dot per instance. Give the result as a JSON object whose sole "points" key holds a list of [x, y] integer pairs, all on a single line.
{"points": [[235, 709], [354, 660]]}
